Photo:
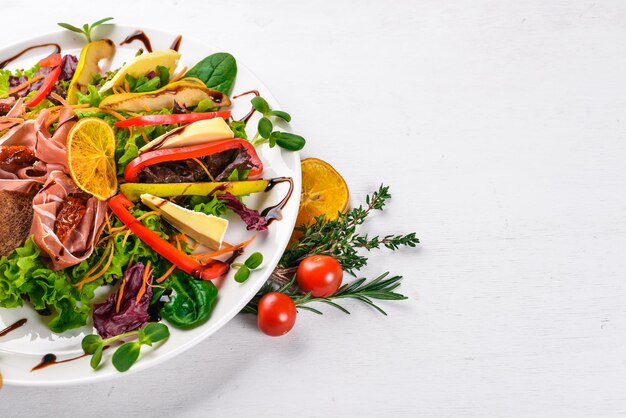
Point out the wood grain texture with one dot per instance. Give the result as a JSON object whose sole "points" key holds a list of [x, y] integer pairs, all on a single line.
{"points": [[498, 126]]}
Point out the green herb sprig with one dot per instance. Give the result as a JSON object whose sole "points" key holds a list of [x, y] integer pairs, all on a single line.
{"points": [[381, 288], [252, 263], [127, 354], [286, 140], [339, 238], [87, 28]]}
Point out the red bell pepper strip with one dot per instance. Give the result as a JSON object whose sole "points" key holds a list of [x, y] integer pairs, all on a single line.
{"points": [[214, 269], [131, 174], [53, 61], [148, 120]]}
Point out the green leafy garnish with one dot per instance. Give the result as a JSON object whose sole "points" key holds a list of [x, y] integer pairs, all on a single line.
{"points": [[243, 270], [217, 71], [339, 238], [127, 354], [87, 28], [192, 302], [381, 288], [265, 128]]}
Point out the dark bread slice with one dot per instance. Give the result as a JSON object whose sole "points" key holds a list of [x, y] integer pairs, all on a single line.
{"points": [[16, 218]]}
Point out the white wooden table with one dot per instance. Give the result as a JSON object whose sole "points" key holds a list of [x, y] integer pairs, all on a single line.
{"points": [[499, 126]]}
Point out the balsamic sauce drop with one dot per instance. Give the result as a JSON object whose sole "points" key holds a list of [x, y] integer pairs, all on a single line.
{"points": [[275, 212], [13, 327], [246, 118], [176, 43], [57, 49], [140, 36]]}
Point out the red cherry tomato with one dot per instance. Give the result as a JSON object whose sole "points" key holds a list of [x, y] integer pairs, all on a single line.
{"points": [[319, 274], [276, 314]]}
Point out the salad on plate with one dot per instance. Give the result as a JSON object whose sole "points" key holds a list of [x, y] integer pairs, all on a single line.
{"points": [[118, 186]]}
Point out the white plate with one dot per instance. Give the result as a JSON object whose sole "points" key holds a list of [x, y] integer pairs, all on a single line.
{"points": [[22, 349]]}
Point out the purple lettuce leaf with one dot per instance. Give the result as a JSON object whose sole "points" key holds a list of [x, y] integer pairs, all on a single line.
{"points": [[252, 218], [132, 314], [68, 67]]}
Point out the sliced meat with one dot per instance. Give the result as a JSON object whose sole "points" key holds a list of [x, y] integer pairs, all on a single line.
{"points": [[6, 105], [47, 204]]}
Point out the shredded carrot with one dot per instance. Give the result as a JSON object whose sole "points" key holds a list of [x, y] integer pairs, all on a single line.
{"points": [[225, 250], [206, 170], [146, 107], [126, 86], [87, 277], [53, 118], [139, 218], [132, 258], [24, 115], [8, 119], [126, 237], [119, 295], [166, 274], [59, 99], [144, 281], [108, 221], [179, 75], [25, 84]]}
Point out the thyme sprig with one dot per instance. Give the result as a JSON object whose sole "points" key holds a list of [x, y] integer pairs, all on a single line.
{"points": [[339, 238], [381, 288]]}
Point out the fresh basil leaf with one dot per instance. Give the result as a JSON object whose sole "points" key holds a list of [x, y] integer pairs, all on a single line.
{"points": [[291, 142], [242, 274], [254, 260], [97, 357], [125, 356], [280, 114], [260, 105], [265, 127], [91, 343], [192, 303], [217, 71], [153, 332]]}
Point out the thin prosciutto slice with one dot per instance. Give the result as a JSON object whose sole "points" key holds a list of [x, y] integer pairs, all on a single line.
{"points": [[81, 242], [49, 149]]}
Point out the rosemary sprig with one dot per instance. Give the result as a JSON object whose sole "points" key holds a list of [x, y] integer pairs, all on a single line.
{"points": [[380, 288], [339, 238]]}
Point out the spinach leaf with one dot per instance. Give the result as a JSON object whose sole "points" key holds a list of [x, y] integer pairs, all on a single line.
{"points": [[217, 71], [192, 303]]}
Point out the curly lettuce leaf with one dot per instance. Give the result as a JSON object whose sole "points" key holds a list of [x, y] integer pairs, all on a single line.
{"points": [[24, 273]]}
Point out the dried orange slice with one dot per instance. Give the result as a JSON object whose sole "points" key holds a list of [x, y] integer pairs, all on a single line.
{"points": [[324, 191], [91, 157]]}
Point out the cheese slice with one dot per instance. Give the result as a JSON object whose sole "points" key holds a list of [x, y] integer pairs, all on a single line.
{"points": [[205, 229], [195, 133]]}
